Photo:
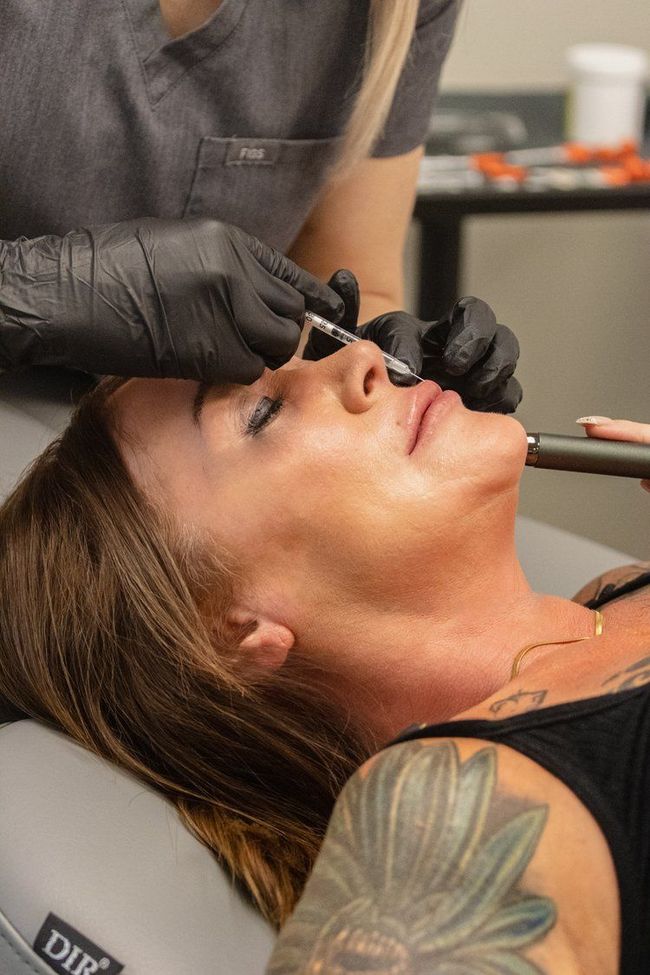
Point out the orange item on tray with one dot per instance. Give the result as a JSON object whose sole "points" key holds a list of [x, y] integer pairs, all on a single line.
{"points": [[493, 165], [581, 155]]}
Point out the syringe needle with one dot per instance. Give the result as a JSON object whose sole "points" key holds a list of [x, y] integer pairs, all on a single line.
{"points": [[347, 338]]}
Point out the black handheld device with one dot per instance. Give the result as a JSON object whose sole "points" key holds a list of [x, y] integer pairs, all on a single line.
{"points": [[588, 455]]}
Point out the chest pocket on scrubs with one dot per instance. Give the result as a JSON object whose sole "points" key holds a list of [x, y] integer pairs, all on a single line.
{"points": [[265, 186]]}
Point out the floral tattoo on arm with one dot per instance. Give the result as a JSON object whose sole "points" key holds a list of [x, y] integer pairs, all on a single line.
{"points": [[420, 874]]}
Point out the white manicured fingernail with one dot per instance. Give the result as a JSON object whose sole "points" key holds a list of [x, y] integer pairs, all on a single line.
{"points": [[594, 419]]}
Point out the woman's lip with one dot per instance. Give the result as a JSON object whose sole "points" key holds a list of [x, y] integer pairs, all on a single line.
{"points": [[423, 396], [447, 399]]}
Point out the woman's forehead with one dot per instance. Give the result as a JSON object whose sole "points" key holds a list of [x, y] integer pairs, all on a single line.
{"points": [[141, 404], [144, 407], [148, 403]]}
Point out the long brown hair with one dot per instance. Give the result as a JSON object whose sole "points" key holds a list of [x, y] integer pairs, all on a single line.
{"points": [[111, 629]]}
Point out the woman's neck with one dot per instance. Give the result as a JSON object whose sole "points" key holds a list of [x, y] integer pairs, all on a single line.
{"points": [[396, 666], [452, 667]]}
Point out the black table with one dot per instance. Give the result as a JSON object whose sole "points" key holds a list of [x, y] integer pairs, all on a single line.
{"points": [[441, 213]]}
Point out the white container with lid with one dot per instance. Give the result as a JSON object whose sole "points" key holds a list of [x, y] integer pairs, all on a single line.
{"points": [[607, 94]]}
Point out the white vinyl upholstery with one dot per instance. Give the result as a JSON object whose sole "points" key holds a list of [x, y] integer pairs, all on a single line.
{"points": [[90, 844], [560, 563]]}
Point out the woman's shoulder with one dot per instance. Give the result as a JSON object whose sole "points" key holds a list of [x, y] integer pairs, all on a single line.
{"points": [[459, 847], [604, 586]]}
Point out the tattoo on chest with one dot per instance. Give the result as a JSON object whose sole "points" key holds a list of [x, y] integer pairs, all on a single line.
{"points": [[421, 873], [635, 675], [519, 701]]}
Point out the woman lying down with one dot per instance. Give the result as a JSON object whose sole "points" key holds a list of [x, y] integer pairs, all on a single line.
{"points": [[241, 594]]}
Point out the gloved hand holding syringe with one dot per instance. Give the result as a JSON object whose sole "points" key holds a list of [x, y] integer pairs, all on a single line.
{"points": [[618, 458], [313, 320]]}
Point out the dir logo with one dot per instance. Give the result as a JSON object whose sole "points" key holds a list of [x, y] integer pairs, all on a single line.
{"points": [[69, 952]]}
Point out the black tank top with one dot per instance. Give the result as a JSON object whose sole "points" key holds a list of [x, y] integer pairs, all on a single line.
{"points": [[600, 748]]}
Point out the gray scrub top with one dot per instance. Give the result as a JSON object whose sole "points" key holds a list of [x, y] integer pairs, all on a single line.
{"points": [[104, 118]]}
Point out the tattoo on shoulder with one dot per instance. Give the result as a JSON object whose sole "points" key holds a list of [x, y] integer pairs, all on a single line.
{"points": [[608, 582], [518, 702], [635, 675], [421, 872]]}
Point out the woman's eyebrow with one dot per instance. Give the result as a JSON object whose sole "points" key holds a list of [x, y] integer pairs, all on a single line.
{"points": [[237, 402]]}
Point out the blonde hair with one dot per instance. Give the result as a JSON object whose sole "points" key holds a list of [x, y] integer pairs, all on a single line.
{"points": [[112, 629], [390, 32]]}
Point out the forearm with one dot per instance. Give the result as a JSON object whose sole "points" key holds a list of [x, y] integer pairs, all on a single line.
{"points": [[378, 295], [361, 223], [378, 301]]}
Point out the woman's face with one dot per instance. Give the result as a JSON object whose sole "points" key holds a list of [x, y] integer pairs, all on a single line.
{"points": [[323, 478]]}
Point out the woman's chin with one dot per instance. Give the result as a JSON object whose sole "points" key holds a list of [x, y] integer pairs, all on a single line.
{"points": [[510, 435], [500, 448], [517, 436]]}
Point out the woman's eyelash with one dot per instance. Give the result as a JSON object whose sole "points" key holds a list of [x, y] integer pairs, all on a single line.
{"points": [[264, 411]]}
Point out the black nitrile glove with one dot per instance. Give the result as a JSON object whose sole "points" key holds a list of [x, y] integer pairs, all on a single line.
{"points": [[466, 351], [193, 299]]}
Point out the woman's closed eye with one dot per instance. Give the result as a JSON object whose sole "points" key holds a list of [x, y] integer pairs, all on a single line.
{"points": [[265, 410]]}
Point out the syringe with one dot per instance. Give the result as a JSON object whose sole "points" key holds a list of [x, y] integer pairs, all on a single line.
{"points": [[347, 338]]}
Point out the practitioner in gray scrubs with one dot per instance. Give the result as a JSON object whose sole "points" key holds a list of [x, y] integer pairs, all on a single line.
{"points": [[172, 195]]}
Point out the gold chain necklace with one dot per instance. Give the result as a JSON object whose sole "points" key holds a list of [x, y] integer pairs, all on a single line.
{"points": [[599, 620]]}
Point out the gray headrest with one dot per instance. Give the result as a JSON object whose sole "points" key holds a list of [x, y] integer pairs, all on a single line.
{"points": [[34, 408], [89, 844]]}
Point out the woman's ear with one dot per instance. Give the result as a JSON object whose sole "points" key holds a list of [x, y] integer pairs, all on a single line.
{"points": [[268, 642]]}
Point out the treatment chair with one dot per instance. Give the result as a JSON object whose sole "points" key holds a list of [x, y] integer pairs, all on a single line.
{"points": [[96, 869]]}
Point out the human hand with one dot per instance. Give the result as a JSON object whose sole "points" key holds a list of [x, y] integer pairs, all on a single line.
{"points": [[604, 428], [192, 299], [466, 351]]}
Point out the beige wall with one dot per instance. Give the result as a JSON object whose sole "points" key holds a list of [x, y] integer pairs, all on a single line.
{"points": [[577, 292], [576, 288], [502, 44]]}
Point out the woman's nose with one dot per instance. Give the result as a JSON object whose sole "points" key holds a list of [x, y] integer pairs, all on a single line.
{"points": [[362, 375]]}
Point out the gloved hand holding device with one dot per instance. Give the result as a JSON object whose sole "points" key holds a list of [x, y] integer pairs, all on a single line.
{"points": [[466, 351], [193, 299]]}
